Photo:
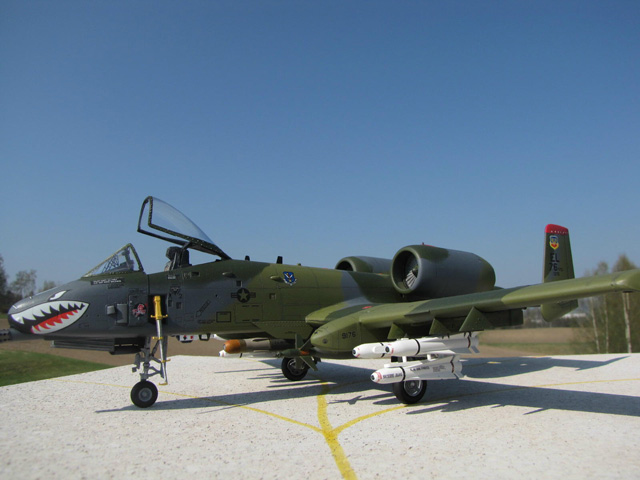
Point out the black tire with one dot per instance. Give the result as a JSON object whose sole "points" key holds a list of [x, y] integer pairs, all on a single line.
{"points": [[144, 394], [410, 392], [290, 370]]}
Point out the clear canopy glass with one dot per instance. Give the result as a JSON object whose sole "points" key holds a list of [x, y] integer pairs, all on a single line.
{"points": [[124, 260], [161, 220]]}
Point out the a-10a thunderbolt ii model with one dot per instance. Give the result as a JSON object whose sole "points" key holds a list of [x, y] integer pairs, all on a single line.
{"points": [[419, 309]]}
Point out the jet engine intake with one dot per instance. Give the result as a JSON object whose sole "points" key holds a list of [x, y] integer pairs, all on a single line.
{"points": [[427, 272]]}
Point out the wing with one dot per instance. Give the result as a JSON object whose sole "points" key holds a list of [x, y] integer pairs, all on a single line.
{"points": [[346, 326]]}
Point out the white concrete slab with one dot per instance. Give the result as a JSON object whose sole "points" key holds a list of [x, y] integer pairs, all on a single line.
{"points": [[553, 417]]}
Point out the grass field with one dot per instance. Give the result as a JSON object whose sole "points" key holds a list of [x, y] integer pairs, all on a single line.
{"points": [[536, 341], [20, 367]]}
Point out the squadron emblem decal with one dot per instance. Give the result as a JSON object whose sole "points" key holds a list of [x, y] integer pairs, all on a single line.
{"points": [[140, 310], [553, 242], [289, 278]]}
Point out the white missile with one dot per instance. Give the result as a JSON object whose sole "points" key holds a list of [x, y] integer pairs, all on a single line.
{"points": [[454, 345], [370, 350], [419, 347], [441, 369]]}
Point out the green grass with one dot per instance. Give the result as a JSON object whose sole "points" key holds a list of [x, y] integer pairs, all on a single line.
{"points": [[20, 367], [546, 348]]}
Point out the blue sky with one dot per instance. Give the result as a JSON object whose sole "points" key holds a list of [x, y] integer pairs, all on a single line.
{"points": [[320, 129]]}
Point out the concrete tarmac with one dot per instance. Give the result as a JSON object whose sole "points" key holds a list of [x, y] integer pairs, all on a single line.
{"points": [[569, 417]]}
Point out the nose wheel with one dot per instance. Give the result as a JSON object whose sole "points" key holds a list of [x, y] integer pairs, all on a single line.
{"points": [[144, 394]]}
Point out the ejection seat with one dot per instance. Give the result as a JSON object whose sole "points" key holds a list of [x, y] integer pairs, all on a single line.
{"points": [[178, 258]]}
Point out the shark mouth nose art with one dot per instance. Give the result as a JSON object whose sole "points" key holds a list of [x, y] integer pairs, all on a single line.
{"points": [[50, 317]]}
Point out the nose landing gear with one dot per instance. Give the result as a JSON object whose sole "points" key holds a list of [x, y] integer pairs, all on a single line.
{"points": [[144, 393]]}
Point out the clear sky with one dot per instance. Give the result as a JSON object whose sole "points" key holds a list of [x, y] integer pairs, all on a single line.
{"points": [[320, 129]]}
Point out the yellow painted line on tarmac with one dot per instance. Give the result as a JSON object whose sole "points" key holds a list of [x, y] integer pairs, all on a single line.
{"points": [[331, 434], [591, 381], [252, 409], [351, 423]]}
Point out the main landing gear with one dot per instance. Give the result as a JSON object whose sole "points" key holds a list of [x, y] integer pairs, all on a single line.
{"points": [[296, 368], [410, 392]]}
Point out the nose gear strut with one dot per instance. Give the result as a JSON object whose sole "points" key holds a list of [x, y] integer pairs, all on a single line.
{"points": [[144, 393]]}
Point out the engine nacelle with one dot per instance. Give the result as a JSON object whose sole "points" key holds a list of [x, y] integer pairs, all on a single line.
{"points": [[431, 272], [364, 264]]}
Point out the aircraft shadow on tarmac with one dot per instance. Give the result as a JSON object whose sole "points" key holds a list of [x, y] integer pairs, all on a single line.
{"points": [[538, 399], [509, 366], [350, 385]]}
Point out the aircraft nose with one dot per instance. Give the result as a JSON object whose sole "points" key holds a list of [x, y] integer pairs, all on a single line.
{"points": [[17, 313], [45, 313], [17, 330]]}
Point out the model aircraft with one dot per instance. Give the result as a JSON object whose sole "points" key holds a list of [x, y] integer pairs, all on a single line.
{"points": [[420, 309]]}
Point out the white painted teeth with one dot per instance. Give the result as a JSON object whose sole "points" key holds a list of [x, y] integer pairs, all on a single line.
{"points": [[42, 312]]}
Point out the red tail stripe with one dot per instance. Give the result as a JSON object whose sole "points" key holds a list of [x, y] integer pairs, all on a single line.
{"points": [[556, 229]]}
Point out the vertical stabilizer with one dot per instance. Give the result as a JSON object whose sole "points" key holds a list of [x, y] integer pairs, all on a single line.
{"points": [[558, 265]]}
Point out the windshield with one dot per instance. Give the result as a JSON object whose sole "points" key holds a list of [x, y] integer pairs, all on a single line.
{"points": [[124, 260], [158, 216]]}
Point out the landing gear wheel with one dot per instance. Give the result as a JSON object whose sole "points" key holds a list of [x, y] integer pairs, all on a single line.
{"points": [[410, 392], [144, 394], [292, 372]]}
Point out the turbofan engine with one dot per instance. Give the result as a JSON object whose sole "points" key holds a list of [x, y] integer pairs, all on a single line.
{"points": [[431, 272], [364, 264]]}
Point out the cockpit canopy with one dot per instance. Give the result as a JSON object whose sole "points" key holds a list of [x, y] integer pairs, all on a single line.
{"points": [[124, 260], [161, 220]]}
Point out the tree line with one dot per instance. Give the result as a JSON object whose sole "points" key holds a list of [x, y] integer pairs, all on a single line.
{"points": [[24, 285], [613, 320]]}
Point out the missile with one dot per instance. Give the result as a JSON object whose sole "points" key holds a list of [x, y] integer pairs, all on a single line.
{"points": [[419, 347], [370, 350], [433, 346], [441, 369]]}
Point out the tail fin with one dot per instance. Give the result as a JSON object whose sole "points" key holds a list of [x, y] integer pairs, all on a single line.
{"points": [[558, 265]]}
